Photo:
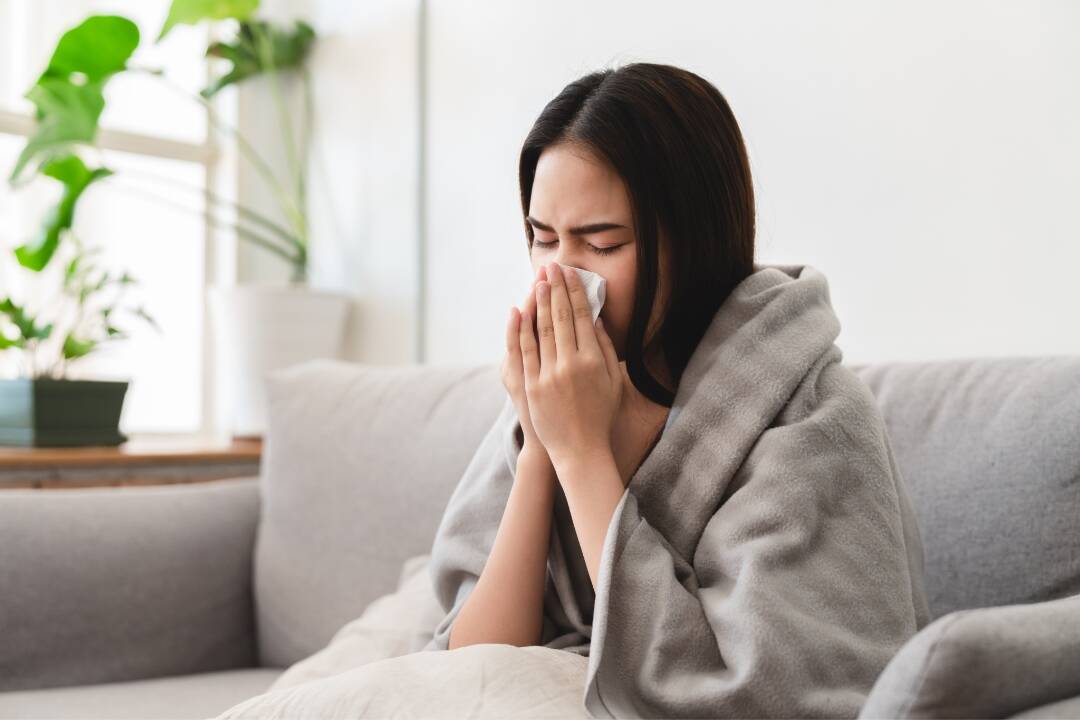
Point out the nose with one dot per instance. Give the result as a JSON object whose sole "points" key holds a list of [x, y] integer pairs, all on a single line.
{"points": [[569, 258]]}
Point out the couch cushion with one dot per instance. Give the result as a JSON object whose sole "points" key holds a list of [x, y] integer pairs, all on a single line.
{"points": [[989, 449], [110, 584], [358, 466], [1069, 708], [183, 696], [984, 663]]}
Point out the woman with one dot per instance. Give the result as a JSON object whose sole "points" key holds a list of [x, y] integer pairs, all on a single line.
{"points": [[693, 493]]}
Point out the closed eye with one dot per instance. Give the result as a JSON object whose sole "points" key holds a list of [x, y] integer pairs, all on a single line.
{"points": [[597, 250]]}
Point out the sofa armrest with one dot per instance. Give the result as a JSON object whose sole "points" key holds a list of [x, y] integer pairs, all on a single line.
{"points": [[984, 662], [1068, 708], [123, 583]]}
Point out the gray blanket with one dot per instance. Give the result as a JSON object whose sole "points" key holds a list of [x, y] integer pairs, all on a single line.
{"points": [[764, 560]]}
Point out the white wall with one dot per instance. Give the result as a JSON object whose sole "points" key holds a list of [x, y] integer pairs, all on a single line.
{"points": [[363, 171], [923, 155]]}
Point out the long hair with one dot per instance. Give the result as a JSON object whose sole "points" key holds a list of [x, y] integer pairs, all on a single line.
{"points": [[671, 137]]}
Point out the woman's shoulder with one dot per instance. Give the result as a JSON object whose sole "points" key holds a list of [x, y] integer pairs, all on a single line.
{"points": [[833, 394], [833, 416]]}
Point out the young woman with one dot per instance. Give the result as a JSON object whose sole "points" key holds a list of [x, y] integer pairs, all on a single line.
{"points": [[692, 492]]}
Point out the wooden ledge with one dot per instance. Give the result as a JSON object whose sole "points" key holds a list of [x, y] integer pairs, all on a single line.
{"points": [[139, 450]]}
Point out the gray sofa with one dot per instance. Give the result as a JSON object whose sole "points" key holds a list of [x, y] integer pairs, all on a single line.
{"points": [[181, 601]]}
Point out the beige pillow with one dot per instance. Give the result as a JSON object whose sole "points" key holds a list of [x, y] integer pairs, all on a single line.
{"points": [[395, 624], [374, 667], [476, 681]]}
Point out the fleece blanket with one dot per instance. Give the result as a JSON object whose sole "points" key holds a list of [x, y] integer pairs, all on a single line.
{"points": [[764, 560]]}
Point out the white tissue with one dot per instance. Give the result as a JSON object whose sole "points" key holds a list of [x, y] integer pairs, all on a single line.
{"points": [[595, 288]]}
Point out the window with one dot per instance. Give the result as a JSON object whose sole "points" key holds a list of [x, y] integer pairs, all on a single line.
{"points": [[149, 218]]}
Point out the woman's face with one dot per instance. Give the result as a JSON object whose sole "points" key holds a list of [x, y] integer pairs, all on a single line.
{"points": [[581, 216]]}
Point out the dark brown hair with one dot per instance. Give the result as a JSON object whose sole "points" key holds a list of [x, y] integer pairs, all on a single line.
{"points": [[671, 137]]}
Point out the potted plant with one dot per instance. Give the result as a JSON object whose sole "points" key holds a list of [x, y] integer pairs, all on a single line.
{"points": [[259, 328], [43, 407]]}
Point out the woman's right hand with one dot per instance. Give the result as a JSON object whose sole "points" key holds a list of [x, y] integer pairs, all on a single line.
{"points": [[513, 367]]}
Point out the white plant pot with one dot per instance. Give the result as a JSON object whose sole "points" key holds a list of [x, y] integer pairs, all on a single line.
{"points": [[261, 328]]}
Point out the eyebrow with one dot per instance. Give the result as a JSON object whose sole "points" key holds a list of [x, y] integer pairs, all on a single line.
{"points": [[580, 230]]}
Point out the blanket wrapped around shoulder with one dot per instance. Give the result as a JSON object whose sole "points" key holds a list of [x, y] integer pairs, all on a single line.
{"points": [[764, 560]]}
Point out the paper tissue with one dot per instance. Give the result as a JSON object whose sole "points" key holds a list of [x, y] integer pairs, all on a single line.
{"points": [[595, 288]]}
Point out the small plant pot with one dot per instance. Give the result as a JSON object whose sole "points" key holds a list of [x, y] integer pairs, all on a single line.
{"points": [[46, 412]]}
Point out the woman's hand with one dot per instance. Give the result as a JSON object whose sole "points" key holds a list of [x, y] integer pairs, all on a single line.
{"points": [[513, 371], [573, 383]]}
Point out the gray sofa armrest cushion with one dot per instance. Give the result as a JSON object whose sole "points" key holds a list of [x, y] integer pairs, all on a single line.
{"points": [[1068, 708], [983, 662], [123, 583]]}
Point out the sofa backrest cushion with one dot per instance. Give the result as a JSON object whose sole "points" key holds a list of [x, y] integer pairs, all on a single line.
{"points": [[358, 466], [990, 450]]}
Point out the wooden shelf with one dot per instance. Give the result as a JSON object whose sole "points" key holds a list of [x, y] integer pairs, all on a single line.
{"points": [[139, 449], [142, 460]]}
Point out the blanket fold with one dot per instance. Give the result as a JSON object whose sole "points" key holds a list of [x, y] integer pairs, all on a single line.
{"points": [[764, 560]]}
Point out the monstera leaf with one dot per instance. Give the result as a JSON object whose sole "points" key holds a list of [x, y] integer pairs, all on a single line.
{"points": [[97, 48], [68, 96], [190, 12], [260, 47], [76, 177]]}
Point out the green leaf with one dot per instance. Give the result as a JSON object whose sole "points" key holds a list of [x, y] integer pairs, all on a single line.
{"points": [[68, 96], [27, 327], [75, 348], [67, 114], [102, 281], [95, 49], [71, 269], [73, 173], [189, 12], [7, 307], [141, 312], [248, 52]]}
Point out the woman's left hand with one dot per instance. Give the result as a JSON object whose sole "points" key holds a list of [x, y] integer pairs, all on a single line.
{"points": [[572, 380]]}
